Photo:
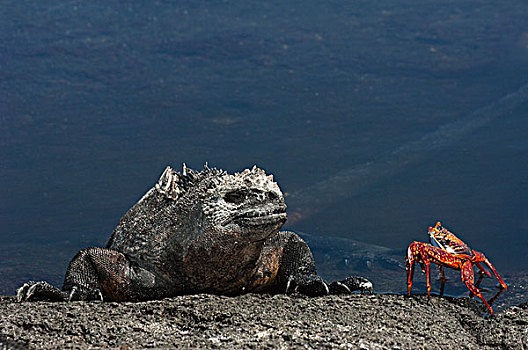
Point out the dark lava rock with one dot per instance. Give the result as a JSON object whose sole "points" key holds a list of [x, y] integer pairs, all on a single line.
{"points": [[376, 321]]}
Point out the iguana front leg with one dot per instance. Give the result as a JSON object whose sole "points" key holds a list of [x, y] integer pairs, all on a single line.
{"points": [[287, 265], [94, 274], [297, 269]]}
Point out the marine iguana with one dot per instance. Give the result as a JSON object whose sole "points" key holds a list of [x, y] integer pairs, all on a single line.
{"points": [[197, 232]]}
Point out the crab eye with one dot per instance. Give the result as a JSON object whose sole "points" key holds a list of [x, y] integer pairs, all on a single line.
{"points": [[234, 197]]}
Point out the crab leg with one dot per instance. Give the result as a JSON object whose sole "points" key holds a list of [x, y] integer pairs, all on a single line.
{"points": [[428, 276], [441, 257], [482, 258], [482, 269], [442, 280], [477, 285], [481, 277], [409, 266], [415, 250], [469, 278], [415, 253]]}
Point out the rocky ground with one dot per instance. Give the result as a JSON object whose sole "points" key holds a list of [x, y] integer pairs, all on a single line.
{"points": [[376, 321]]}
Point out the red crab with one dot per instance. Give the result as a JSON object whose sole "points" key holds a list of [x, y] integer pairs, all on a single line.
{"points": [[446, 249]]}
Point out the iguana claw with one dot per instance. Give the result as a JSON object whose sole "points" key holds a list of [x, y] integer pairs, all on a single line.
{"points": [[33, 290], [311, 285], [351, 284]]}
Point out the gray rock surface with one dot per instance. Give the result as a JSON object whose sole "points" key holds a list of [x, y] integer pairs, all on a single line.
{"points": [[376, 321]]}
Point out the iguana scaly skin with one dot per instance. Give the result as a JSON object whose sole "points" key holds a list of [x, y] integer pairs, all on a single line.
{"points": [[196, 232]]}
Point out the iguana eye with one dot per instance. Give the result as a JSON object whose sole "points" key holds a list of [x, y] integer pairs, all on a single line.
{"points": [[272, 195], [234, 197]]}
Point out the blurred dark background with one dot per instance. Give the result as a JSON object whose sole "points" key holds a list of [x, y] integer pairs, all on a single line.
{"points": [[96, 98]]}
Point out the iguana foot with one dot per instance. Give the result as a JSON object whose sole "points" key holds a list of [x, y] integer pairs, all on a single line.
{"points": [[311, 285], [351, 284], [78, 293], [33, 290]]}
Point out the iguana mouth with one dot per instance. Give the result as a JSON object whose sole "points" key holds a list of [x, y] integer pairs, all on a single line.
{"points": [[260, 217]]}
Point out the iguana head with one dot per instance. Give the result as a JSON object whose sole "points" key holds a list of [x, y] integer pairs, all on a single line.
{"points": [[249, 204]]}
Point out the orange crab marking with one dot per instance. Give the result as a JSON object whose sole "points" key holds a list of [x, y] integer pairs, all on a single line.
{"points": [[446, 249]]}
